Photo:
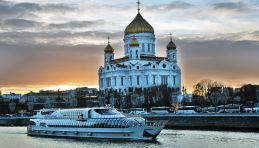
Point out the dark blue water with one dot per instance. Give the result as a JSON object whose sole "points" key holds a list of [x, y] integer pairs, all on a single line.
{"points": [[16, 137]]}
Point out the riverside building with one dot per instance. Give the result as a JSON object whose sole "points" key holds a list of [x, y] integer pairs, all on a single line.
{"points": [[140, 67]]}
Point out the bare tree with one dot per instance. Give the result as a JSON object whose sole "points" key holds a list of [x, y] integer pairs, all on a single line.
{"points": [[204, 90]]}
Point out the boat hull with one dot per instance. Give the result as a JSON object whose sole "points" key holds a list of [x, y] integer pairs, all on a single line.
{"points": [[132, 133]]}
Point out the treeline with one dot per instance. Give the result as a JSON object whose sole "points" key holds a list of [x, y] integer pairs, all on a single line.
{"points": [[142, 97], [213, 93]]}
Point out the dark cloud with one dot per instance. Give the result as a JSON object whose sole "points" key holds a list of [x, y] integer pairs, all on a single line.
{"points": [[35, 64], [229, 61], [229, 6], [13, 25], [11, 9], [76, 24], [256, 34], [18, 24], [47, 63], [232, 62], [55, 38]]}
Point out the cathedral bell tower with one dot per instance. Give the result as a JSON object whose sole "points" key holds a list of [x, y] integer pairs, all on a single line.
{"points": [[144, 32], [171, 50], [108, 52], [134, 49]]}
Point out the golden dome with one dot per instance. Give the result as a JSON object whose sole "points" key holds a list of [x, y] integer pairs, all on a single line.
{"points": [[171, 45], [134, 42], [138, 25], [108, 49]]}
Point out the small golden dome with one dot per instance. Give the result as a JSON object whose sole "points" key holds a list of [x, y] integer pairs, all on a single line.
{"points": [[134, 42], [171, 45], [138, 25], [108, 49]]}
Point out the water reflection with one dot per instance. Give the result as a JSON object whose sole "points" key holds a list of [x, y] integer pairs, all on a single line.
{"points": [[17, 137]]}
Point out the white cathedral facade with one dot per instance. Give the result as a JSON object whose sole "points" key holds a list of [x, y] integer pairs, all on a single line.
{"points": [[140, 67]]}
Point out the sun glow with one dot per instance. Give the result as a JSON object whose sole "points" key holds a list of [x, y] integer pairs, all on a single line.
{"points": [[36, 88]]}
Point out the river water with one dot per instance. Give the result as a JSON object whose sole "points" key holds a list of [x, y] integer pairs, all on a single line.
{"points": [[16, 137]]}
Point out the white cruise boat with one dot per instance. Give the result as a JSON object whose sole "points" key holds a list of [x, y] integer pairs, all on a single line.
{"points": [[103, 122]]}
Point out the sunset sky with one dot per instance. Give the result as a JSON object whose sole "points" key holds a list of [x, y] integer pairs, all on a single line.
{"points": [[58, 44]]}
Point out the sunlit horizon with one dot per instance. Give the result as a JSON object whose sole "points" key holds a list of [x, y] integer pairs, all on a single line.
{"points": [[26, 89], [62, 87]]}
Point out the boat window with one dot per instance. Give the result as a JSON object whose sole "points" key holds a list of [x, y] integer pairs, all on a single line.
{"points": [[94, 123], [89, 113], [116, 123], [120, 123], [137, 109], [97, 123], [124, 123], [43, 124], [129, 123], [85, 124], [46, 112], [107, 123], [113, 123], [107, 111], [100, 123], [104, 123], [32, 123], [88, 123], [110, 123]]}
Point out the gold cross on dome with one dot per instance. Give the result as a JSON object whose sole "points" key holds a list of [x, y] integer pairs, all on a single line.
{"points": [[171, 38], [138, 5], [108, 39]]}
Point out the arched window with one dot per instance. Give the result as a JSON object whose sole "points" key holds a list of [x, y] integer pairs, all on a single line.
{"points": [[137, 80], [121, 81], [136, 53], [143, 47], [130, 54], [164, 66]]}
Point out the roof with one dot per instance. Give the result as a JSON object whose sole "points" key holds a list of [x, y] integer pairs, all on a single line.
{"points": [[138, 25], [115, 61]]}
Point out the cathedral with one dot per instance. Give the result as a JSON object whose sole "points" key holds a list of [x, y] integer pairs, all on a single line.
{"points": [[139, 67]]}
